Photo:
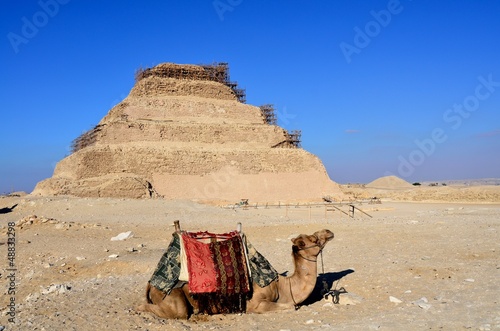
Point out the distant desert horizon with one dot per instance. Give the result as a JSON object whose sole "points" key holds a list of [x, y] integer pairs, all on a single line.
{"points": [[447, 182], [465, 182]]}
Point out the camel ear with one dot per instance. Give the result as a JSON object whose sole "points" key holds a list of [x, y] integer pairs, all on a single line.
{"points": [[298, 242]]}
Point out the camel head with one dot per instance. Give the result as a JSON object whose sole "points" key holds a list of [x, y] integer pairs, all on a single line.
{"points": [[313, 244]]}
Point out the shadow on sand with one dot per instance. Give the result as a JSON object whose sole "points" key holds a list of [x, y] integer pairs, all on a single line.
{"points": [[7, 210], [324, 284]]}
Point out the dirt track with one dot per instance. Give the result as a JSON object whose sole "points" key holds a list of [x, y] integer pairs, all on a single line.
{"points": [[447, 253]]}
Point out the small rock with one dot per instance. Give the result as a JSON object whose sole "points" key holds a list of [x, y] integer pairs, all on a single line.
{"points": [[56, 288], [422, 303], [32, 297], [407, 291], [470, 280], [309, 321], [80, 258], [123, 236], [29, 274], [395, 300], [113, 256]]}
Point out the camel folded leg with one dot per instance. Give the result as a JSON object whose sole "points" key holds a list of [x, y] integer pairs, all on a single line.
{"points": [[264, 299], [267, 306], [172, 306]]}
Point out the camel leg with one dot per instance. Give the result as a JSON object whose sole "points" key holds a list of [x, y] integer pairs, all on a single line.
{"points": [[265, 299], [173, 306], [267, 306], [162, 311], [194, 303]]}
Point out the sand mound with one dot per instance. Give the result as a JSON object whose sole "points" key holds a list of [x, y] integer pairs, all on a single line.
{"points": [[389, 182]]}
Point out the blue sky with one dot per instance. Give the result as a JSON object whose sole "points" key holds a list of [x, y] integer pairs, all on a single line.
{"points": [[409, 88]]}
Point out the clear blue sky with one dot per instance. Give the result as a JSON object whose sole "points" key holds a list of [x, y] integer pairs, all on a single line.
{"points": [[410, 88]]}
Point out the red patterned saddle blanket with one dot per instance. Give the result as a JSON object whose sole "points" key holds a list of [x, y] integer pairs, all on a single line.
{"points": [[216, 262]]}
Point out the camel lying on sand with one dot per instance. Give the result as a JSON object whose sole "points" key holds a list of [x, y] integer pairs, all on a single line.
{"points": [[285, 292]]}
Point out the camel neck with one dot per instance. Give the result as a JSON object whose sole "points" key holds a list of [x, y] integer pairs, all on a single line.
{"points": [[303, 279], [304, 266]]}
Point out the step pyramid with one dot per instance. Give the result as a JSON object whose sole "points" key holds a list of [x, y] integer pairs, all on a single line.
{"points": [[184, 132]]}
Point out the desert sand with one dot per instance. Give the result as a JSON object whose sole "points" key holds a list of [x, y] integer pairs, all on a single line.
{"points": [[414, 265]]}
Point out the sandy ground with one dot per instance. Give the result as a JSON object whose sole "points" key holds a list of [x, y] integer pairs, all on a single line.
{"points": [[439, 261]]}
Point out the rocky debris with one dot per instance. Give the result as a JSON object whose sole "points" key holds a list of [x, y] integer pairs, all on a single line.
{"points": [[63, 226], [34, 220], [123, 236], [56, 288], [32, 297]]}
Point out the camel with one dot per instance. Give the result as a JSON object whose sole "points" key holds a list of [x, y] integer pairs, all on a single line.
{"points": [[286, 292]]}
